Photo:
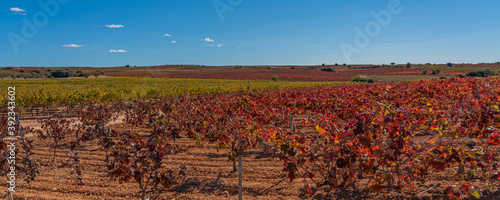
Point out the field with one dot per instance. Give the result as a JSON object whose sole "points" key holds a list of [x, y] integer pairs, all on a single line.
{"points": [[319, 73], [43, 93], [172, 138], [299, 73]]}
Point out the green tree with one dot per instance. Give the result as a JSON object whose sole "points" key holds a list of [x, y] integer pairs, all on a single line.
{"points": [[60, 73]]}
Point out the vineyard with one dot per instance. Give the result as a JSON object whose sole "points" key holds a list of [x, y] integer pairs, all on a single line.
{"points": [[40, 94], [181, 139]]}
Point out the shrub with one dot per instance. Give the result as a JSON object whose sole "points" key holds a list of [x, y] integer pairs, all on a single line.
{"points": [[55, 128], [8, 68], [24, 75], [35, 75], [275, 78], [60, 73], [424, 72], [480, 73], [434, 71], [449, 64], [327, 69], [292, 67], [359, 79], [443, 77], [408, 65], [4, 74]]}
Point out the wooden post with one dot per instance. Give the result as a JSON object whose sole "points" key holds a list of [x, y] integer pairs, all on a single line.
{"points": [[240, 175]]}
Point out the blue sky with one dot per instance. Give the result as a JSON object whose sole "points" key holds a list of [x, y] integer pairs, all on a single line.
{"points": [[247, 32]]}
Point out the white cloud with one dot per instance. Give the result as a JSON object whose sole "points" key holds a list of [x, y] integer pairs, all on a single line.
{"points": [[117, 51], [115, 26], [17, 10], [210, 45], [173, 42], [239, 47], [220, 45], [167, 35], [208, 40], [73, 45]]}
